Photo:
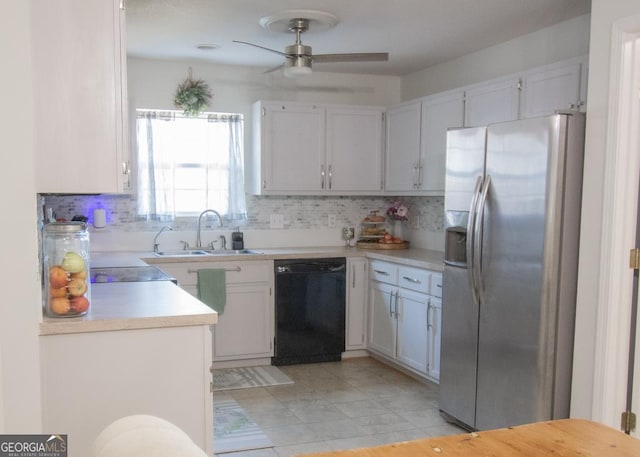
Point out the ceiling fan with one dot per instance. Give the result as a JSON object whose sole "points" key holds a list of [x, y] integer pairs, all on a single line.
{"points": [[299, 57]]}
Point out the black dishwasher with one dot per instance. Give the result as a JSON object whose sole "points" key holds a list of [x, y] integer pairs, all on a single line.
{"points": [[310, 310]]}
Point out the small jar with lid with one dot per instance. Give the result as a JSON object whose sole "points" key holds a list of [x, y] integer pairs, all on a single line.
{"points": [[67, 286]]}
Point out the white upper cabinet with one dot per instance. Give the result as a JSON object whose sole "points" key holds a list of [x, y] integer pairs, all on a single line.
{"points": [[417, 143], [439, 114], [292, 147], [308, 149], [403, 147], [551, 88], [354, 150], [80, 96], [493, 101]]}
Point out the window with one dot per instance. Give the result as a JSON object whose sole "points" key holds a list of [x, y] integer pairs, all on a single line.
{"points": [[188, 164]]}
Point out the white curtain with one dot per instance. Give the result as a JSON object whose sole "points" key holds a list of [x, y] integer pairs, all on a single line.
{"points": [[167, 158]]}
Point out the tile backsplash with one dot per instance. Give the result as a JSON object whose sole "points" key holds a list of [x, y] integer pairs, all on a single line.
{"points": [[426, 214]]}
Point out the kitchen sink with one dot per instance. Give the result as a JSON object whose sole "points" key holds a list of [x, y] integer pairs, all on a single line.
{"points": [[235, 252], [180, 253], [203, 252]]}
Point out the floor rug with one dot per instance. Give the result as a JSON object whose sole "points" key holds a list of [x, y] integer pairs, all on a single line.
{"points": [[234, 431], [243, 378]]}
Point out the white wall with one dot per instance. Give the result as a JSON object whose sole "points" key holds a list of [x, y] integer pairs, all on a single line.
{"points": [[152, 84], [552, 44], [20, 310], [604, 14]]}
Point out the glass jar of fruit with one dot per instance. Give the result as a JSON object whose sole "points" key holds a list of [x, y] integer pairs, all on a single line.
{"points": [[67, 286]]}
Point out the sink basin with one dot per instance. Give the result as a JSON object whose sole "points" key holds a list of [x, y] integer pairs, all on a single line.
{"points": [[203, 252], [180, 253], [236, 252]]}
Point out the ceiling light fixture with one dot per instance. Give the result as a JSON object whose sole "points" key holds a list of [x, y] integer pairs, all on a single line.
{"points": [[207, 47]]}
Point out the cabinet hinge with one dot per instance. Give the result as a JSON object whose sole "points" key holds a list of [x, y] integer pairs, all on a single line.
{"points": [[628, 423], [634, 259], [264, 111], [519, 84]]}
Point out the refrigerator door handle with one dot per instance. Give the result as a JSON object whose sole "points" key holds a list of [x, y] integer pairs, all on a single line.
{"points": [[471, 227], [477, 254]]}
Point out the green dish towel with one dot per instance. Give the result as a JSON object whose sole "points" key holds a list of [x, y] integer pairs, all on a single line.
{"points": [[211, 288]]}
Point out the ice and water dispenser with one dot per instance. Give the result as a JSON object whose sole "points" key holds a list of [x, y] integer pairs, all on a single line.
{"points": [[455, 249]]}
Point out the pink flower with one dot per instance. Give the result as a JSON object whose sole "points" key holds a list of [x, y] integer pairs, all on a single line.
{"points": [[398, 211]]}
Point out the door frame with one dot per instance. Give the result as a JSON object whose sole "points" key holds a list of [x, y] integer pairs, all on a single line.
{"points": [[620, 193]]}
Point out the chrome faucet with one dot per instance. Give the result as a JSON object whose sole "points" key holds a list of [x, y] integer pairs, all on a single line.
{"points": [[198, 238], [155, 239]]}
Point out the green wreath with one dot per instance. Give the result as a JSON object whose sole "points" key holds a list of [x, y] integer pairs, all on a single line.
{"points": [[192, 96]]}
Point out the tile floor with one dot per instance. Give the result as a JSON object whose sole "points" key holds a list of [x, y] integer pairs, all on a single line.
{"points": [[341, 405]]}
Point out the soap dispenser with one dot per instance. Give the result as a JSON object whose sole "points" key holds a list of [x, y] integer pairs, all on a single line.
{"points": [[237, 240]]}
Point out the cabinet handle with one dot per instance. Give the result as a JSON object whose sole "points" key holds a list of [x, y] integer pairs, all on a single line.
{"points": [[380, 272], [419, 177], [322, 176], [330, 176], [415, 178], [192, 271], [353, 276], [413, 280], [390, 300], [429, 314], [396, 306]]}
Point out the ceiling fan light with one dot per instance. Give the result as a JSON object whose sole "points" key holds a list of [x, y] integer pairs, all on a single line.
{"points": [[297, 66], [294, 72]]}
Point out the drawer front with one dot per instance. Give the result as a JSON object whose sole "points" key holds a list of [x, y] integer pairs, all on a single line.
{"points": [[384, 272], [236, 272], [414, 279], [436, 284]]}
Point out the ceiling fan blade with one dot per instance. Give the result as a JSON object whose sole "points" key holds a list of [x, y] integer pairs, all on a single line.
{"points": [[271, 70], [261, 47], [355, 57]]}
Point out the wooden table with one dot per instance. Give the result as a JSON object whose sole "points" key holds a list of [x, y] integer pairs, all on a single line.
{"points": [[560, 438]]}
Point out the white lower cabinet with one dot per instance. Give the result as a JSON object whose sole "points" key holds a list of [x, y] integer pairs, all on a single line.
{"points": [[245, 329], [90, 380], [434, 326], [356, 313], [412, 314], [404, 316], [382, 326]]}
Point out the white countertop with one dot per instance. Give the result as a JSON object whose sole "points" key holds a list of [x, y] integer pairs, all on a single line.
{"points": [[138, 305], [134, 305], [420, 258]]}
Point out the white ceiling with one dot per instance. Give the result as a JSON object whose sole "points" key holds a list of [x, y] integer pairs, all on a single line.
{"points": [[416, 33]]}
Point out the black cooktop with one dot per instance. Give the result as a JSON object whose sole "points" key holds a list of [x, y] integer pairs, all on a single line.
{"points": [[128, 274]]}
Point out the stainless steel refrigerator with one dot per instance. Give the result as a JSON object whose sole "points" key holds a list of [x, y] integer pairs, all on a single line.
{"points": [[512, 211]]}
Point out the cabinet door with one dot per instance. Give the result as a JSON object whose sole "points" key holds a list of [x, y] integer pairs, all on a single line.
{"points": [[118, 373], [354, 150], [434, 337], [245, 329], [412, 329], [356, 303], [79, 92], [382, 322], [439, 113], [494, 101], [403, 147], [551, 88], [293, 148]]}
